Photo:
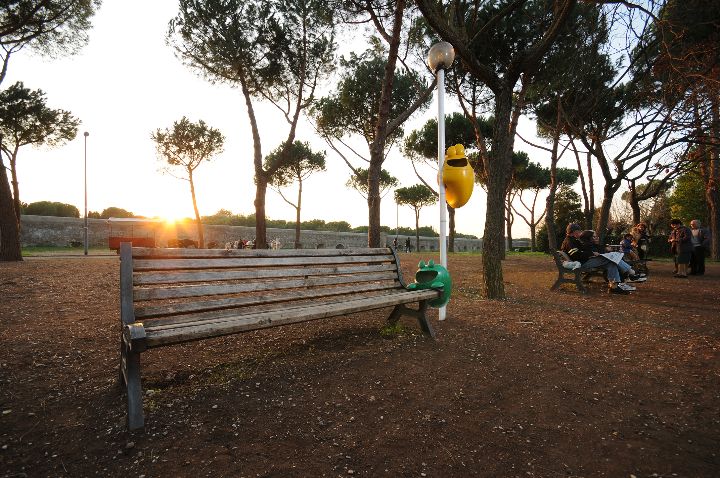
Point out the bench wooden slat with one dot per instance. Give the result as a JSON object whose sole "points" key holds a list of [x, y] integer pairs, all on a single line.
{"points": [[141, 252], [224, 289], [282, 317], [148, 278], [146, 312], [170, 264], [257, 308]]}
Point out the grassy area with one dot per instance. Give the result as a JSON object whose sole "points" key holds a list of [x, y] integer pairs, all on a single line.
{"points": [[528, 254], [67, 250], [509, 253]]}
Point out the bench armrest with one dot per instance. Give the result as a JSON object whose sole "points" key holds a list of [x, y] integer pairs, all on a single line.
{"points": [[134, 336]]}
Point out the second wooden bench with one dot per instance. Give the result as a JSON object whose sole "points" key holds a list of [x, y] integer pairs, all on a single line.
{"points": [[579, 277]]}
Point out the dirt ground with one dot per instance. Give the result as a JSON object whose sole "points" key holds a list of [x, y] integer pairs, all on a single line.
{"points": [[544, 384]]}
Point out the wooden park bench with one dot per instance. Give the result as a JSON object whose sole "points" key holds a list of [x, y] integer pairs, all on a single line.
{"points": [[171, 296], [580, 277]]}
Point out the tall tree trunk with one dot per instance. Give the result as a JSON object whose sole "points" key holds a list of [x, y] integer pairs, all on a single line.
{"points": [[3, 69], [634, 203], [451, 225], [198, 222], [550, 225], [377, 148], [508, 224], [612, 184], [498, 169], [604, 218], [712, 195], [493, 243], [260, 176], [533, 239], [298, 245], [590, 215], [417, 229], [15, 185], [373, 201], [587, 217], [260, 224], [533, 223], [9, 230]]}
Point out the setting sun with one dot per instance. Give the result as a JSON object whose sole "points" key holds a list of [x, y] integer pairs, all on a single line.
{"points": [[174, 216], [171, 219]]}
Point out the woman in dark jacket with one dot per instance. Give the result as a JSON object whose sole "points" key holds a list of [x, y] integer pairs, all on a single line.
{"points": [[680, 240]]}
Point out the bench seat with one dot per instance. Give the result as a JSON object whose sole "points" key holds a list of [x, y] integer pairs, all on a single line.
{"points": [[187, 328]]}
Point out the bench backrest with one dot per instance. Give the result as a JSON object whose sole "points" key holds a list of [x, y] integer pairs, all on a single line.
{"points": [[159, 284]]}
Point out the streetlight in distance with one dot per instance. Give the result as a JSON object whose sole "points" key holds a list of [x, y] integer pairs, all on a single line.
{"points": [[86, 134], [440, 57]]}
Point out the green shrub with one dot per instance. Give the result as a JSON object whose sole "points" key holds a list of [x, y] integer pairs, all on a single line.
{"points": [[115, 212], [50, 208]]}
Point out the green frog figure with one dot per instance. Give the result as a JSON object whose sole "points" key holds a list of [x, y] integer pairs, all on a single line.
{"points": [[433, 276]]}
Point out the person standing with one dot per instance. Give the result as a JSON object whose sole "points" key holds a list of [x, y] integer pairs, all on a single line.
{"points": [[680, 246], [701, 242], [407, 245]]}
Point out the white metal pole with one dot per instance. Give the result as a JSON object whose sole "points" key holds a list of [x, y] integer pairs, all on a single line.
{"points": [[441, 162], [397, 224], [86, 217]]}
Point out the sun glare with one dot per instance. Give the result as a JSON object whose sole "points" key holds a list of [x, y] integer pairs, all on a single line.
{"points": [[171, 218]]}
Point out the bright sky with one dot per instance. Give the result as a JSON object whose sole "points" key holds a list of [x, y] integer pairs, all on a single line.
{"points": [[127, 82]]}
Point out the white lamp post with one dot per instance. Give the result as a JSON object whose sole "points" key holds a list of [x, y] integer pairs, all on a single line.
{"points": [[397, 218], [440, 57], [86, 134]]}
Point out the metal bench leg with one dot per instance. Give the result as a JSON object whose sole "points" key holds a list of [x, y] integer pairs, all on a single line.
{"points": [[557, 283], [420, 314], [578, 283], [123, 361], [135, 415], [396, 313], [422, 318]]}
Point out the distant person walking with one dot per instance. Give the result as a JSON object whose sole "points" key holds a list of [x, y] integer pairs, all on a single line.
{"points": [[681, 247], [701, 242], [407, 245]]}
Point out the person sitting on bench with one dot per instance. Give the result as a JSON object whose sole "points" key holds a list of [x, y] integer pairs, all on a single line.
{"points": [[626, 246], [626, 271], [582, 252]]}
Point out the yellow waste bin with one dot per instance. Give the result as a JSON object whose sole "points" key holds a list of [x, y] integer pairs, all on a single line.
{"points": [[458, 177]]}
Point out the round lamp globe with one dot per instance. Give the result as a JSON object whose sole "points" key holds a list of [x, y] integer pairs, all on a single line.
{"points": [[441, 55]]}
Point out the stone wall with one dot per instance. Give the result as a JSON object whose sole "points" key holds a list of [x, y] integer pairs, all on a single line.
{"points": [[62, 231]]}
